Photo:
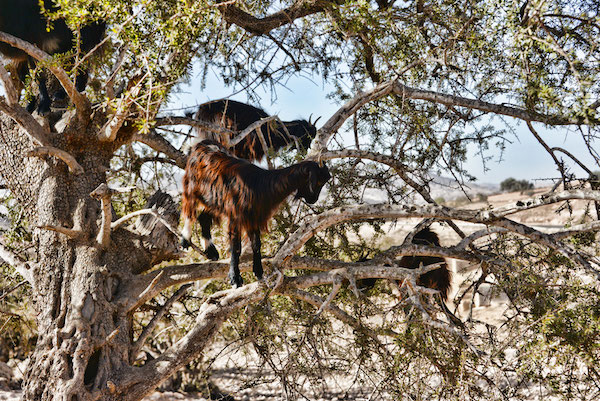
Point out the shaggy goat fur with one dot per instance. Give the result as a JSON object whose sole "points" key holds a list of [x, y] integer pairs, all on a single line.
{"points": [[23, 19], [238, 116], [217, 184]]}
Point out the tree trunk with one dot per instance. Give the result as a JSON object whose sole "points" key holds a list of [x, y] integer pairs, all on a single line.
{"points": [[83, 337]]}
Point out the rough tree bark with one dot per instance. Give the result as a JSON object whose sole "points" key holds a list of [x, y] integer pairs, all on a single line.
{"points": [[83, 338]]}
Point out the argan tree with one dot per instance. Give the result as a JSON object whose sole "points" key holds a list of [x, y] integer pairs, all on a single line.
{"points": [[418, 84]]}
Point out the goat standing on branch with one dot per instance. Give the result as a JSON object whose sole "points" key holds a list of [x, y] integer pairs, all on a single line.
{"points": [[239, 116], [217, 184], [439, 279], [24, 20]]}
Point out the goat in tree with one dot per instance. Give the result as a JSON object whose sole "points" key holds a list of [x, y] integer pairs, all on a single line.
{"points": [[238, 116], [24, 20], [439, 279], [217, 185]]}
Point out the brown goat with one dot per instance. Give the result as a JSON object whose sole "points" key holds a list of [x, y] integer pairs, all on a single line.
{"points": [[217, 184]]}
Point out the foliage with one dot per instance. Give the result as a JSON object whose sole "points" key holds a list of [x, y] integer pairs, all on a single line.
{"points": [[475, 63], [513, 185]]}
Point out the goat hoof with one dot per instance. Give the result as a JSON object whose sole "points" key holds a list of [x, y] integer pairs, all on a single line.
{"points": [[185, 244], [60, 95], [236, 282], [30, 107], [43, 109], [212, 253]]}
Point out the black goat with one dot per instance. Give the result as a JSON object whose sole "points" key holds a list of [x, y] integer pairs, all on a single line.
{"points": [[439, 279], [217, 184], [238, 116], [23, 19]]}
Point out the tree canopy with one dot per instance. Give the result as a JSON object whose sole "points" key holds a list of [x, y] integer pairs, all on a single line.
{"points": [[419, 84]]}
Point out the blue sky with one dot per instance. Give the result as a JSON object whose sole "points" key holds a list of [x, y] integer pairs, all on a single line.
{"points": [[523, 159]]}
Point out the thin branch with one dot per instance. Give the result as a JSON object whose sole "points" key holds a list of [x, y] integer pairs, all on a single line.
{"points": [[319, 143], [118, 223], [82, 104], [110, 82], [452, 100], [254, 126], [137, 345], [69, 232], [43, 151], [576, 160], [109, 131], [577, 229], [337, 312], [22, 267], [400, 169], [559, 164], [192, 122], [337, 285]]}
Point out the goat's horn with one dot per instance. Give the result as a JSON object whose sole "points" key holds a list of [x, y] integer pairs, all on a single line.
{"points": [[318, 118], [310, 118]]}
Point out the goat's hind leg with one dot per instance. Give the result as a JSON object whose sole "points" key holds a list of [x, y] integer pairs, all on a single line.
{"points": [[256, 256], [235, 242], [205, 220]]}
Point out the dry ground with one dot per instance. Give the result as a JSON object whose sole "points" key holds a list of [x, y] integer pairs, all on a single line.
{"points": [[489, 309]]}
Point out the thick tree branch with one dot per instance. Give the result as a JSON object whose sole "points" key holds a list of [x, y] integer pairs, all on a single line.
{"points": [[158, 143], [133, 383], [546, 199], [9, 87], [42, 151], [384, 211], [143, 288], [136, 382], [82, 104], [319, 144], [25, 120], [260, 26]]}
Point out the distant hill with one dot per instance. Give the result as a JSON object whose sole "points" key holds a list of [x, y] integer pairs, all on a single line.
{"points": [[449, 189]]}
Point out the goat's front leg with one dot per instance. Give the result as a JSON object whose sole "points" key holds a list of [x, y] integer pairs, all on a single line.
{"points": [[235, 243], [205, 219], [45, 102], [256, 256]]}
